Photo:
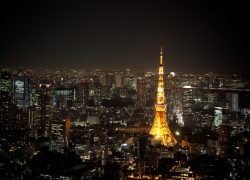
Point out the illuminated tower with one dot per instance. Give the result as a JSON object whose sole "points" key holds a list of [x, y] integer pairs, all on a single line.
{"points": [[160, 129]]}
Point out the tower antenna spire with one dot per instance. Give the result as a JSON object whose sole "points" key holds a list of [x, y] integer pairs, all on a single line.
{"points": [[161, 62]]}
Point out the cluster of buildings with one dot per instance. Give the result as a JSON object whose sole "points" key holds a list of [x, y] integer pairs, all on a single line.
{"points": [[93, 124]]}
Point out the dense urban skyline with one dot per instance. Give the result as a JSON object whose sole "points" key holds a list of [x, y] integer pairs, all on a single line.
{"points": [[207, 35]]}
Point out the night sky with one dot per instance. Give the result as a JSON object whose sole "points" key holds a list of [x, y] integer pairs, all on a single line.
{"points": [[207, 35]]}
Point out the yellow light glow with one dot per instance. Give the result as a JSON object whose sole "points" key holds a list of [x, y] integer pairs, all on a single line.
{"points": [[160, 129]]}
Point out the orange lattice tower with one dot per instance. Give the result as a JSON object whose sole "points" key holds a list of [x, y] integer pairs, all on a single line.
{"points": [[160, 129]]}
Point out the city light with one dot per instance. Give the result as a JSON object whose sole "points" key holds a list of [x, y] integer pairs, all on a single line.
{"points": [[177, 133], [83, 96]]}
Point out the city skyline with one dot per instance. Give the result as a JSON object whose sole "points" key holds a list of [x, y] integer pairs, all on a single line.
{"points": [[197, 36], [81, 124]]}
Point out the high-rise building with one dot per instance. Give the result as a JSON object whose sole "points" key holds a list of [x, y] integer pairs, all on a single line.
{"points": [[130, 82], [5, 81], [21, 87], [110, 84], [187, 102], [57, 132], [118, 79], [67, 130], [141, 91], [85, 93], [44, 109], [217, 116], [110, 81], [64, 97], [32, 123], [102, 78], [235, 102], [160, 129], [97, 93], [5, 98]]}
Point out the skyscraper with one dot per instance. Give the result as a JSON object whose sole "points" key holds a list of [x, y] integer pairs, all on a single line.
{"points": [[160, 129], [98, 93], [118, 79], [21, 84], [44, 109], [5, 98], [84, 98], [235, 102], [217, 116]]}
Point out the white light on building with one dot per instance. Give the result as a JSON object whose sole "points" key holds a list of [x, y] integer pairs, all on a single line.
{"points": [[217, 116]]}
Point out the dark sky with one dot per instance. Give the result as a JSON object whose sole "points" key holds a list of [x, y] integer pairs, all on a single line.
{"points": [[197, 35]]}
